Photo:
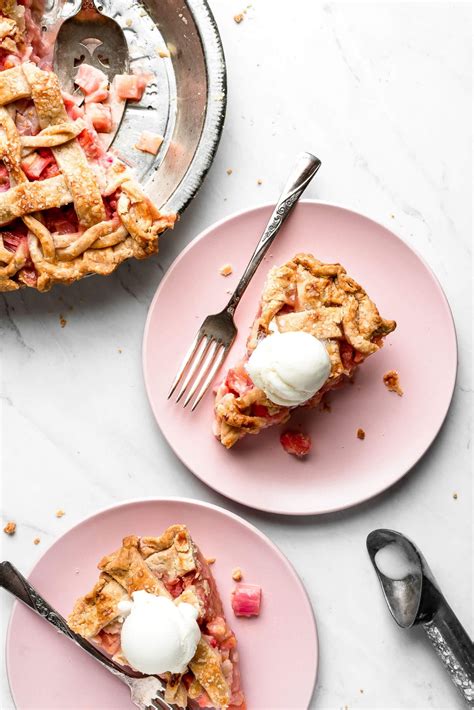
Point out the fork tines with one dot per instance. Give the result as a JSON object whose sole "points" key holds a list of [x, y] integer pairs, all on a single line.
{"points": [[207, 354]]}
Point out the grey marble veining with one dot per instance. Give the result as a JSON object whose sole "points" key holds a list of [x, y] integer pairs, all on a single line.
{"points": [[380, 91]]}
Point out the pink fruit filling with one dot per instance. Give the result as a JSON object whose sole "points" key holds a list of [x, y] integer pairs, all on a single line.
{"points": [[296, 443], [246, 599]]}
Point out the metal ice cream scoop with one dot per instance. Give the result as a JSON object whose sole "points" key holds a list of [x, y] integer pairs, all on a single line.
{"points": [[414, 597]]}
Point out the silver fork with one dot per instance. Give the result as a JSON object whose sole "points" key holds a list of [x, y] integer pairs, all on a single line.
{"points": [[217, 333], [14, 582]]}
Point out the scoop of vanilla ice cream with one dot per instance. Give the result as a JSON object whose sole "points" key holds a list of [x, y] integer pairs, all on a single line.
{"points": [[289, 367], [157, 635]]}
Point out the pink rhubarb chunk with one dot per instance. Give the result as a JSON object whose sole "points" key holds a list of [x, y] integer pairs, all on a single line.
{"points": [[149, 142], [90, 79], [100, 117], [296, 443], [98, 96], [246, 599], [34, 164], [131, 86]]}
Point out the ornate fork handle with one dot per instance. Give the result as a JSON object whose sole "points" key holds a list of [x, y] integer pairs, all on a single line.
{"points": [[305, 169], [14, 582]]}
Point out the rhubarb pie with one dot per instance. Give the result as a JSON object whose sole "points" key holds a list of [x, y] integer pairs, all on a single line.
{"points": [[68, 208], [171, 566], [304, 295]]}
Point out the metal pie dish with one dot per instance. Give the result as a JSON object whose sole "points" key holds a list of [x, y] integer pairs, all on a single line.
{"points": [[185, 101]]}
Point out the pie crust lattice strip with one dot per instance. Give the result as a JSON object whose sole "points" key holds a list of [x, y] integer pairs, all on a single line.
{"points": [[112, 219]]}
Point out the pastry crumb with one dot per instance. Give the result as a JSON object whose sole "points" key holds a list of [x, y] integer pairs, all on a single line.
{"points": [[361, 690], [360, 434], [455, 496], [259, 182], [62, 321], [239, 17], [119, 350], [129, 22], [10, 528], [229, 171], [162, 52], [36, 541], [237, 575], [391, 380], [325, 407], [225, 270], [60, 513], [210, 560]]}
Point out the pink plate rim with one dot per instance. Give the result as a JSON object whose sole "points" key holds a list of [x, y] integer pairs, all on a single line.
{"points": [[187, 501], [365, 496]]}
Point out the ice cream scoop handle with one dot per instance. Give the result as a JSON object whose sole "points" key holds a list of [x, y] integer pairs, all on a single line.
{"points": [[306, 167], [455, 649]]}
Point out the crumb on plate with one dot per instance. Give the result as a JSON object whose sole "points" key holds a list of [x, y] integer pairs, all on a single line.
{"points": [[229, 171], [455, 496], [239, 17], [391, 380], [225, 270], [237, 574], [162, 52], [62, 321], [210, 560], [360, 434], [325, 406], [10, 528], [259, 182], [60, 513], [36, 541]]}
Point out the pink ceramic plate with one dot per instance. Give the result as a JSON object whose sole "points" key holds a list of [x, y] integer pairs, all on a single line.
{"points": [[341, 469], [48, 671]]}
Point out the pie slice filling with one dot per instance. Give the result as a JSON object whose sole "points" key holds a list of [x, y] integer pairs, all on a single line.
{"points": [[302, 296], [170, 566]]}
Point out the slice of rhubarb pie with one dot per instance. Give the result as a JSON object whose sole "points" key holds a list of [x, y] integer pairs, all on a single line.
{"points": [[68, 208], [314, 327], [156, 608]]}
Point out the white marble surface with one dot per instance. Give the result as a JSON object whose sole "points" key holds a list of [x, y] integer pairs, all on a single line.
{"points": [[381, 92]]}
